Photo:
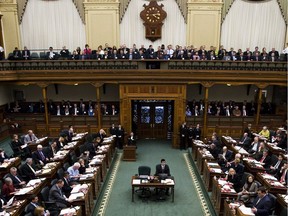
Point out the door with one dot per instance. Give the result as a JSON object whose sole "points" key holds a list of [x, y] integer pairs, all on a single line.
{"points": [[152, 118]]}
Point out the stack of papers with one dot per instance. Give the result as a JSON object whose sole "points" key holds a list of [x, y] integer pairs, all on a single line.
{"points": [[246, 211], [69, 211], [216, 170], [23, 191], [267, 176], [75, 196]]}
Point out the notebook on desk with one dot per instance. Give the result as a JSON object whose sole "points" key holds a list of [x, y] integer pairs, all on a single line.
{"points": [[163, 176]]}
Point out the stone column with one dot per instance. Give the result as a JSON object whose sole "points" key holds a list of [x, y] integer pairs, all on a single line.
{"points": [[102, 22], [206, 85], [10, 26], [204, 22]]}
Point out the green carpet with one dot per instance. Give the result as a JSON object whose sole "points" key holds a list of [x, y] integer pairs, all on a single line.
{"points": [[117, 197]]}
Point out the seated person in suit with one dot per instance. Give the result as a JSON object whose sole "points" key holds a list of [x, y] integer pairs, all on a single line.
{"points": [[92, 147], [3, 156], [64, 53], [68, 184], [282, 174], [249, 190], [56, 195], [34, 203], [16, 147], [51, 150], [233, 178], [245, 141], [101, 134], [265, 159], [225, 157], [131, 140], [61, 142], [30, 137], [39, 156], [82, 168], [17, 179], [50, 54], [26, 53], [74, 171], [28, 170], [16, 54], [8, 189], [238, 167], [276, 167], [161, 169], [262, 203]]}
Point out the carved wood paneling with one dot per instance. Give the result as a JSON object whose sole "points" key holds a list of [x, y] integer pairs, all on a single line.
{"points": [[153, 92]]}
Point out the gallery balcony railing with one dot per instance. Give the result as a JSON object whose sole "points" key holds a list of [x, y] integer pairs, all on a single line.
{"points": [[52, 65]]}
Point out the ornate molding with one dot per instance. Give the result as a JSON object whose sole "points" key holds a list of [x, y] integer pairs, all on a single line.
{"points": [[7, 1], [43, 84], [262, 85], [97, 84], [207, 84]]}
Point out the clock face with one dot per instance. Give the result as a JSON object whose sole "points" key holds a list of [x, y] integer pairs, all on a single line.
{"points": [[153, 15]]}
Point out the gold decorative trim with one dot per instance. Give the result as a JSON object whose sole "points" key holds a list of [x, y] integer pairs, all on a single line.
{"points": [[199, 191], [110, 183]]}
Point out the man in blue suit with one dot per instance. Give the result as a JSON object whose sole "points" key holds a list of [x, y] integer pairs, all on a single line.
{"points": [[262, 204]]}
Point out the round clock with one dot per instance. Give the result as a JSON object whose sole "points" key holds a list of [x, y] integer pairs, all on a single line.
{"points": [[153, 16]]}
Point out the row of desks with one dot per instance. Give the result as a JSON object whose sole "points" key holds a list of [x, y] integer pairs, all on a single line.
{"points": [[93, 177]]}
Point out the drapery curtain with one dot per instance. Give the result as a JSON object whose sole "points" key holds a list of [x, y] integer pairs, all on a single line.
{"points": [[250, 24], [132, 29], [52, 23], [284, 8]]}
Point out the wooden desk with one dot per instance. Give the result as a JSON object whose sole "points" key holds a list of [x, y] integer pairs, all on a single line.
{"points": [[150, 184], [35, 189], [253, 166], [274, 149], [42, 141], [221, 194], [270, 184], [230, 208], [5, 167], [210, 170], [86, 202], [100, 161], [203, 156], [17, 208], [196, 144], [49, 170], [129, 153], [91, 178], [281, 204]]}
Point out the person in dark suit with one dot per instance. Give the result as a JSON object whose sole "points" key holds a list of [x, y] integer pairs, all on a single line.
{"points": [[56, 195], [282, 174], [131, 140], [249, 130], [238, 167], [120, 133], [51, 150], [163, 168], [39, 156], [67, 187], [233, 178], [197, 132], [62, 141], [262, 203], [3, 156], [32, 205], [190, 134], [245, 141], [16, 147], [183, 136], [276, 166], [101, 134], [51, 54], [26, 54], [16, 54], [225, 156], [265, 159], [64, 53], [28, 170], [113, 130], [18, 181], [92, 147]]}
